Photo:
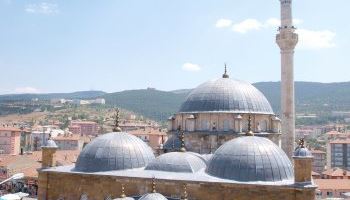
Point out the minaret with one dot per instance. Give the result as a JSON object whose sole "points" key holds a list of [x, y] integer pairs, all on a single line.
{"points": [[287, 40]]}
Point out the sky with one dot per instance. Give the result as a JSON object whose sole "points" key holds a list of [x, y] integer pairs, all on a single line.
{"points": [[113, 45]]}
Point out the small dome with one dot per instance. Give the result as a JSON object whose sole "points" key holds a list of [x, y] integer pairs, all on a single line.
{"points": [[226, 95], [124, 198], [153, 196], [114, 151], [250, 158], [302, 152], [50, 144], [177, 162]]}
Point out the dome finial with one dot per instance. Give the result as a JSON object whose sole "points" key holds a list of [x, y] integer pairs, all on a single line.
{"points": [[184, 197], [116, 126], [154, 185], [249, 131], [225, 75], [123, 192], [182, 139], [301, 143]]}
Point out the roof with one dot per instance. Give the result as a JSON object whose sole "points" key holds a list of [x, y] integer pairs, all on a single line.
{"points": [[177, 162], [340, 141], [10, 129], [147, 131], [334, 133], [83, 122], [332, 184], [67, 137], [114, 151], [29, 163], [315, 151], [336, 172], [226, 95], [250, 158]]}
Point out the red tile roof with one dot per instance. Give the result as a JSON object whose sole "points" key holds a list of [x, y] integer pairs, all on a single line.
{"points": [[336, 172], [340, 141]]}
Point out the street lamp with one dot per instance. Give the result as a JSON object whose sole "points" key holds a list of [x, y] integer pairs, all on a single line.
{"points": [[13, 177]]}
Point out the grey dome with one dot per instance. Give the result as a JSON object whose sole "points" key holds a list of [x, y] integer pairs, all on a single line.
{"points": [[226, 95], [302, 152], [124, 198], [177, 162], [250, 158], [114, 151], [153, 196]]}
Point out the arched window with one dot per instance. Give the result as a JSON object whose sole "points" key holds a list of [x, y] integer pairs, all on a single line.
{"points": [[263, 125], [205, 125], [226, 125], [84, 197], [245, 125]]}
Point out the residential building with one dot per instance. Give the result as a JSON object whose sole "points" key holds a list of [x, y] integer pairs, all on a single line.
{"points": [[69, 141], [41, 133], [319, 162], [340, 153], [155, 138], [10, 140], [336, 173], [331, 188], [83, 127]]}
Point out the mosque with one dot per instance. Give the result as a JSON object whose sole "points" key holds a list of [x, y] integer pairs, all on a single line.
{"points": [[225, 145]]}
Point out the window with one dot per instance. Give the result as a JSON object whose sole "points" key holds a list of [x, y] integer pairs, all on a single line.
{"points": [[226, 125], [329, 194], [108, 197], [205, 125]]}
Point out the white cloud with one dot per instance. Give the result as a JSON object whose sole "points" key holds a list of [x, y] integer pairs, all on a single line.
{"points": [[42, 8], [191, 67], [27, 90], [223, 23], [309, 39], [247, 25]]}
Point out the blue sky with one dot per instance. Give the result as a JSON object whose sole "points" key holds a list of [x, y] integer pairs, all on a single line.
{"points": [[65, 45]]}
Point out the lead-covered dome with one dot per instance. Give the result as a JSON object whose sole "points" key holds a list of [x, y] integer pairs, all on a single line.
{"points": [[177, 162], [226, 95], [250, 159], [153, 196], [114, 151]]}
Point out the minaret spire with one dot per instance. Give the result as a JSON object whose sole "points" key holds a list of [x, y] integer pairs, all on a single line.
{"points": [[287, 40]]}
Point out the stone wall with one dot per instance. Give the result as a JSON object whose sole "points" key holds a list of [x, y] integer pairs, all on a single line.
{"points": [[68, 186]]}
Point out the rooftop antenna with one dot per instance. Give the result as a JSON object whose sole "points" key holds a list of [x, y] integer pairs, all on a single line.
{"points": [[117, 120]]}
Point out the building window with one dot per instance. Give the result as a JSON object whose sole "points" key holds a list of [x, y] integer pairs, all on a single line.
{"points": [[205, 125], [329, 194], [108, 197], [226, 125]]}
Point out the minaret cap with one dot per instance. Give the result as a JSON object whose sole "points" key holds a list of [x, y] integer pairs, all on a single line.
{"points": [[116, 126], [225, 75], [182, 139], [184, 196], [249, 131], [123, 192], [154, 185]]}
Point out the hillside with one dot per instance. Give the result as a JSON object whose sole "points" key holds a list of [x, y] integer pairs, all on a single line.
{"points": [[310, 97], [155, 104], [73, 95]]}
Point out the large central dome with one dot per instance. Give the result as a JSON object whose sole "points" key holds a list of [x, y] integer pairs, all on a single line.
{"points": [[226, 95]]}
